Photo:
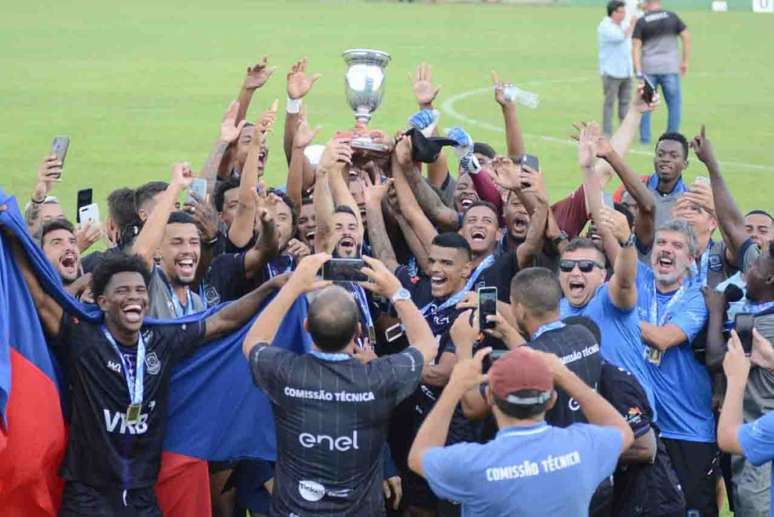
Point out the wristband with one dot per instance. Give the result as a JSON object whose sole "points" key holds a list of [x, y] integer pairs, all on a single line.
{"points": [[628, 243], [35, 202], [293, 106], [211, 242]]}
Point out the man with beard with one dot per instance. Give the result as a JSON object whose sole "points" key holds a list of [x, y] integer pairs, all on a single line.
{"points": [[57, 240], [672, 313], [307, 225], [175, 238], [119, 373], [760, 227]]}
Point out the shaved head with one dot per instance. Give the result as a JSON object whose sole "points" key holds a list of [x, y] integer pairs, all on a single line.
{"points": [[332, 319]]}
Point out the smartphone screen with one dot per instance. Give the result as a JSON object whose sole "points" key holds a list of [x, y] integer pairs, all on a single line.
{"points": [[648, 91], [531, 161], [59, 147], [198, 187], [89, 213], [487, 306], [84, 198], [344, 270], [743, 324]]}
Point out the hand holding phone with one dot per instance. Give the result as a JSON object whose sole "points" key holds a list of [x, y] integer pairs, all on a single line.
{"points": [[487, 306], [85, 197], [344, 270], [743, 324], [648, 90], [199, 187], [89, 214]]}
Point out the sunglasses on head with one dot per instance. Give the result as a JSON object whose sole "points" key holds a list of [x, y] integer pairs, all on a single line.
{"points": [[585, 266]]}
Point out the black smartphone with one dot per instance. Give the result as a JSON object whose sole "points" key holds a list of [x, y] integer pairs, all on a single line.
{"points": [[743, 324], [648, 90], [84, 198], [489, 360], [487, 306], [59, 147], [344, 270], [531, 161]]}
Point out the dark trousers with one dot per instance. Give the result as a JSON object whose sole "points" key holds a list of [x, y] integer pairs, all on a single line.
{"points": [[615, 90], [696, 465], [79, 500]]}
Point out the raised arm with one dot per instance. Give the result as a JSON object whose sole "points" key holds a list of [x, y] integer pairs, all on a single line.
{"points": [[241, 230], [623, 283], [49, 311], [255, 78], [152, 232], [301, 281], [296, 184], [337, 155], [266, 246], [377, 231], [716, 346], [646, 219], [229, 132], [425, 93], [533, 187], [514, 139], [298, 85], [49, 172], [736, 366], [730, 219], [409, 206], [383, 283]]}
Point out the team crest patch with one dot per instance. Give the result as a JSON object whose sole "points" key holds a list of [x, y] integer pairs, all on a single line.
{"points": [[152, 363], [715, 263]]}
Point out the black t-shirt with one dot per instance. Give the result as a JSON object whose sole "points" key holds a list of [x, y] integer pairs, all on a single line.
{"points": [[331, 413], [639, 488], [499, 275], [226, 278], [103, 450], [579, 351]]}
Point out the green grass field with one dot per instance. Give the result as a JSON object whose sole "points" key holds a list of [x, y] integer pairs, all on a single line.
{"points": [[138, 85], [142, 84]]}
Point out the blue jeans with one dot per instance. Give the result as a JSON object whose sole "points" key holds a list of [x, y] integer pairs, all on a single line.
{"points": [[670, 88]]}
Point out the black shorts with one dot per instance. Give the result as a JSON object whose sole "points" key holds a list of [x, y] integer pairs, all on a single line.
{"points": [[79, 499], [697, 467]]}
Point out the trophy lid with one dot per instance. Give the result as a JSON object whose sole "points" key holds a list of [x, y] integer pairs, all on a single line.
{"points": [[366, 56]]}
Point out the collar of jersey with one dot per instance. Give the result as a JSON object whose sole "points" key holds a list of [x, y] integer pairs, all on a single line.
{"points": [[334, 358], [522, 430]]}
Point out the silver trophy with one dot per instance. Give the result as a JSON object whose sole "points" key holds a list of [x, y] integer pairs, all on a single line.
{"points": [[364, 89]]}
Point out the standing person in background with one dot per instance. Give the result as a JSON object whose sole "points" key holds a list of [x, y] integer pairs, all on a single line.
{"points": [[656, 55], [615, 62]]}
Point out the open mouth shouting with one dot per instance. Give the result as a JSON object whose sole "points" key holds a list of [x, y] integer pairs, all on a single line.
{"points": [[438, 283], [577, 287], [519, 225], [309, 235], [185, 268], [68, 265], [133, 312], [665, 263], [347, 247], [466, 202]]}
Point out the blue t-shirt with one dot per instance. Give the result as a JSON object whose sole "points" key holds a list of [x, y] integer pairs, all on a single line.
{"points": [[757, 441], [681, 384], [520, 471], [621, 336]]}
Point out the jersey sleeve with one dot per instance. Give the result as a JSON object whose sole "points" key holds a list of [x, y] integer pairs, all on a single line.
{"points": [[679, 24], [570, 213], [269, 366], [690, 315], [757, 439], [637, 33], [624, 393], [66, 343], [186, 337], [443, 472], [748, 254], [402, 371]]}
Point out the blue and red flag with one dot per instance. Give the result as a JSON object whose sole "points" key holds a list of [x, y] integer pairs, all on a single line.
{"points": [[215, 411]]}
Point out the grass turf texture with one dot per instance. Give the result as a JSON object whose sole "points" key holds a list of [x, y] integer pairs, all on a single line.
{"points": [[140, 85]]}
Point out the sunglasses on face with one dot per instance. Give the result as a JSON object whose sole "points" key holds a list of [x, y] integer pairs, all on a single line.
{"points": [[585, 266]]}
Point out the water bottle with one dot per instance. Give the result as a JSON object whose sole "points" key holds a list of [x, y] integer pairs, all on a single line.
{"points": [[523, 97]]}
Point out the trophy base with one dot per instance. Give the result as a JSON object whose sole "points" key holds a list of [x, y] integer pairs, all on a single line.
{"points": [[365, 143]]}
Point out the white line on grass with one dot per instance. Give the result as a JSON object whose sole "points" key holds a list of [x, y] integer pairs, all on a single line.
{"points": [[449, 108]]}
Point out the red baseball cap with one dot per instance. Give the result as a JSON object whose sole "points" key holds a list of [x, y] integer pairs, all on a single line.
{"points": [[518, 370]]}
